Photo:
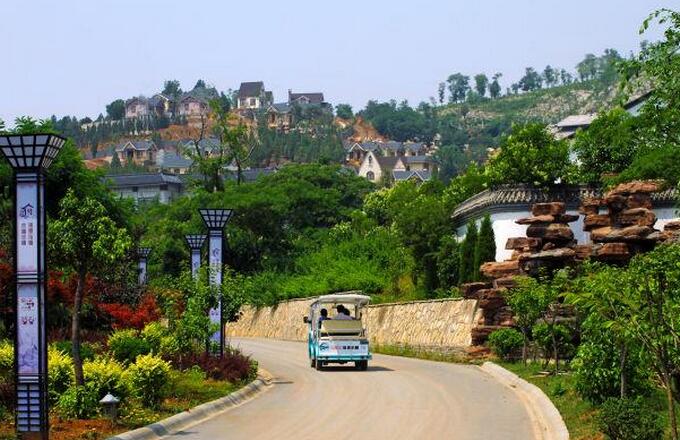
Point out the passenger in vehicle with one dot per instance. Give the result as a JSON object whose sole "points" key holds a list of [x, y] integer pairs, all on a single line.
{"points": [[347, 312], [341, 316], [324, 315]]}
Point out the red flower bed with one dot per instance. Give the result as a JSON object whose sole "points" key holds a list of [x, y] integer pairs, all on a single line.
{"points": [[233, 367]]}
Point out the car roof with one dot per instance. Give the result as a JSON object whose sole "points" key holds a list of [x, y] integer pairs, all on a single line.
{"points": [[343, 297]]}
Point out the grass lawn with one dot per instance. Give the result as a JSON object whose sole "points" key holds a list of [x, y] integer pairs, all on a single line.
{"points": [[189, 389]]}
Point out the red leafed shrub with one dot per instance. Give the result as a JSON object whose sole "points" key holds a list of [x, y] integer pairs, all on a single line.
{"points": [[233, 367], [125, 316]]}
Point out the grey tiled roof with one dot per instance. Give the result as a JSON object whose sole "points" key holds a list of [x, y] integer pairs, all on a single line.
{"points": [[387, 163], [250, 89], [313, 98], [281, 107], [171, 160], [576, 121], [419, 159], [147, 179], [137, 145]]}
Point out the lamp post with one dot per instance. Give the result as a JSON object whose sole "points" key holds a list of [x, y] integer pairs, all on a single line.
{"points": [[30, 155], [215, 220], [195, 243], [143, 254]]}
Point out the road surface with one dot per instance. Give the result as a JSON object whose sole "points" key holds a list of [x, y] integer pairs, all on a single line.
{"points": [[397, 398]]}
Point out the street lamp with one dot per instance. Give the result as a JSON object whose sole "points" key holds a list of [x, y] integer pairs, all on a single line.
{"points": [[195, 243], [143, 254], [30, 155], [215, 220]]}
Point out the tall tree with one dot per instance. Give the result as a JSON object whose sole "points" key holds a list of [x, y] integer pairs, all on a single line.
{"points": [[115, 161], [495, 87], [441, 92], [171, 88], [566, 77], [87, 241], [116, 110], [531, 80], [587, 68], [466, 270], [481, 83], [459, 85], [485, 248], [550, 76], [200, 84], [344, 111]]}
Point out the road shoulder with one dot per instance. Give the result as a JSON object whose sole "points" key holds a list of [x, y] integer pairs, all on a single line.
{"points": [[200, 413], [546, 419]]}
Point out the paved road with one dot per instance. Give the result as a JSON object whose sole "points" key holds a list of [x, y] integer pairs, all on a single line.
{"points": [[397, 398]]}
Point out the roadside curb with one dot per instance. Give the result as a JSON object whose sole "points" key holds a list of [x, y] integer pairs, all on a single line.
{"points": [[199, 413], [547, 420]]}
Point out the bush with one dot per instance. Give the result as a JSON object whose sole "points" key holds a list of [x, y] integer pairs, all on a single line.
{"points": [[104, 376], [629, 419], [506, 342], [149, 377], [60, 372], [6, 361], [125, 346], [86, 350], [153, 333], [543, 338], [78, 403], [233, 367]]}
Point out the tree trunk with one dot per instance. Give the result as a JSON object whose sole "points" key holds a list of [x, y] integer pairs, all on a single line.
{"points": [[524, 347], [622, 366], [671, 406], [75, 329], [555, 352]]}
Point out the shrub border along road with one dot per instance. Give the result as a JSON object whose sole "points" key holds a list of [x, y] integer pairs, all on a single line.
{"points": [[547, 421], [199, 413]]}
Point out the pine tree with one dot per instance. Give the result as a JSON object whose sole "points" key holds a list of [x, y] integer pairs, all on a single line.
{"points": [[467, 254], [115, 161], [485, 249]]}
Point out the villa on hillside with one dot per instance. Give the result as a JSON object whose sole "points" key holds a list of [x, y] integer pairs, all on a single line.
{"points": [[140, 106], [378, 168], [253, 95], [138, 152]]}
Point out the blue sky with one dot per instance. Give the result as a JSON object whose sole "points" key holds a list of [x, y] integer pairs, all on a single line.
{"points": [[73, 57]]}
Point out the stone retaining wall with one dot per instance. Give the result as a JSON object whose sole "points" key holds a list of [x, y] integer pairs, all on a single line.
{"points": [[434, 323]]}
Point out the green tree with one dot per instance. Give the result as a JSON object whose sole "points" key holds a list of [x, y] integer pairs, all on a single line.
{"points": [[587, 68], [459, 85], [659, 64], [608, 146], [550, 76], [171, 88], [85, 240], [642, 302], [448, 260], [466, 269], [116, 110], [495, 87], [441, 92], [485, 248], [530, 155], [481, 83], [528, 301], [531, 80], [344, 111], [200, 84]]}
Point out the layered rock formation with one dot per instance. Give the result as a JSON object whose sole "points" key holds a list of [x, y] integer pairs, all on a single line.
{"points": [[549, 245]]}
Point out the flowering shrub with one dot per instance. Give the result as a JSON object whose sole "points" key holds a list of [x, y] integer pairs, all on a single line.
{"points": [[77, 403], [149, 377]]}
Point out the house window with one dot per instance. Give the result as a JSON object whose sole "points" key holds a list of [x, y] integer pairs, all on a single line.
{"points": [[370, 160], [426, 166], [370, 176], [164, 187], [135, 189], [252, 102]]}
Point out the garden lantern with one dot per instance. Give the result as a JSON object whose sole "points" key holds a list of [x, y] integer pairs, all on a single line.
{"points": [[110, 406], [195, 243], [143, 254], [215, 220], [30, 155]]}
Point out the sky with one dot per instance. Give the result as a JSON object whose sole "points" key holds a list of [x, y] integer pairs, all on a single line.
{"points": [[73, 57]]}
